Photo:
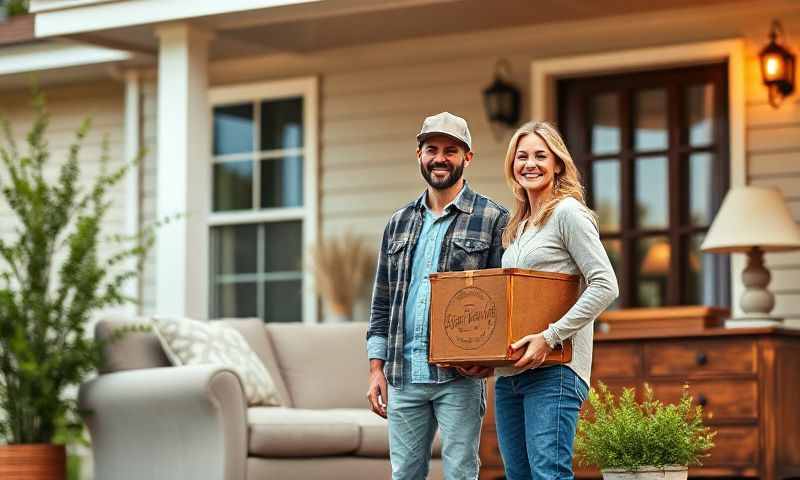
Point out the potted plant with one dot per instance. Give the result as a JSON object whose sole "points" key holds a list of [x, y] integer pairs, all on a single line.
{"points": [[57, 269], [627, 439]]}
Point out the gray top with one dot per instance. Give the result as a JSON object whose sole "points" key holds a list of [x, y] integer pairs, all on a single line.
{"points": [[568, 243]]}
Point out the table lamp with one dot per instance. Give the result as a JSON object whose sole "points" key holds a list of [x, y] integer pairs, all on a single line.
{"points": [[753, 220]]}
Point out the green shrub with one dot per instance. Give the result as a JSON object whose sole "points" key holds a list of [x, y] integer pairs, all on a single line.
{"points": [[621, 433], [53, 278]]}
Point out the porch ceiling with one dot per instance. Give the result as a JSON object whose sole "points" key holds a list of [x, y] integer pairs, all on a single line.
{"points": [[340, 23]]}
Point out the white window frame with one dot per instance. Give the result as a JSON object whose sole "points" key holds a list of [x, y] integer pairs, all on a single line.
{"points": [[307, 88], [545, 72]]}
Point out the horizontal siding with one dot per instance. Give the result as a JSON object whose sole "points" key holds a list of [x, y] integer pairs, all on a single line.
{"points": [[773, 153]]}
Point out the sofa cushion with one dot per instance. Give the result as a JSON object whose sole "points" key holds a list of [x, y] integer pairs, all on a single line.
{"points": [[324, 366], [374, 433], [194, 342], [132, 350], [256, 335], [291, 432]]}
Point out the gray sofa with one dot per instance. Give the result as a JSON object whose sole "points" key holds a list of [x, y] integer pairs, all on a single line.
{"points": [[150, 420]]}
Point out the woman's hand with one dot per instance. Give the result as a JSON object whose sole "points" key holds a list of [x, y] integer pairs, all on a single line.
{"points": [[476, 371], [535, 353]]}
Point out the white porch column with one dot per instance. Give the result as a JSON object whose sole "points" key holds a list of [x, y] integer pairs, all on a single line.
{"points": [[184, 146]]}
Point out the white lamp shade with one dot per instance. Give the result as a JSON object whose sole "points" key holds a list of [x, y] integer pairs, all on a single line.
{"points": [[752, 217]]}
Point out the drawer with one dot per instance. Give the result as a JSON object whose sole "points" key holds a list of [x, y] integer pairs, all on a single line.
{"points": [[616, 360], [488, 450], [721, 399], [698, 358], [734, 447]]}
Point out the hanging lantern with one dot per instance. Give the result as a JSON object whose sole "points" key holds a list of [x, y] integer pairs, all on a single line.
{"points": [[501, 98], [777, 67]]}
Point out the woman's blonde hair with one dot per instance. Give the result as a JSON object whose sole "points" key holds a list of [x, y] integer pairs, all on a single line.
{"points": [[567, 183]]}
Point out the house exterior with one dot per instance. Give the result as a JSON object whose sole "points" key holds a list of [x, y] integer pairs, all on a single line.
{"points": [[273, 124]]}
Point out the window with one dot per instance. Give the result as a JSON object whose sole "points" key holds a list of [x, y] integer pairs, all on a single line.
{"points": [[652, 148], [262, 201]]}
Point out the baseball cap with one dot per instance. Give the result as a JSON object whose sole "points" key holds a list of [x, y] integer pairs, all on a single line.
{"points": [[446, 123]]}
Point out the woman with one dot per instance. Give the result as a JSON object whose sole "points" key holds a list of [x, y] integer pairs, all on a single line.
{"points": [[552, 230]]}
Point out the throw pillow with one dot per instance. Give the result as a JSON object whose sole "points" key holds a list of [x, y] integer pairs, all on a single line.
{"points": [[194, 342]]}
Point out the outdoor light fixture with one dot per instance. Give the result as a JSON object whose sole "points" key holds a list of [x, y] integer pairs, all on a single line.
{"points": [[777, 66], [501, 98]]}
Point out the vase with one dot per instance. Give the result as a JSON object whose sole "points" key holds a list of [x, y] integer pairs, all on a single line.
{"points": [[33, 462], [669, 472]]}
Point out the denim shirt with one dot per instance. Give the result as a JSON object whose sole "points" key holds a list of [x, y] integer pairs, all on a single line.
{"points": [[472, 240]]}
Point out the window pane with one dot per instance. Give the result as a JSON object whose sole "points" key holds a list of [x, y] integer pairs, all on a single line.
{"points": [[233, 129], [652, 200], [282, 124], [283, 247], [653, 271], [283, 301], [700, 191], [606, 194], [699, 284], [605, 124], [236, 300], [233, 185], [234, 249], [651, 120], [282, 182], [700, 112], [614, 250]]}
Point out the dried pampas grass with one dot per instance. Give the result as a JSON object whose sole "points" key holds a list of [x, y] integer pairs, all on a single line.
{"points": [[344, 269]]}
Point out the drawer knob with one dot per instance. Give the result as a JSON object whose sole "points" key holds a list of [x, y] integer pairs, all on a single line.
{"points": [[702, 400], [702, 359]]}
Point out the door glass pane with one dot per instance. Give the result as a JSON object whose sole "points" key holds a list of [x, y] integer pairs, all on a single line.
{"points": [[283, 246], [282, 124], [606, 194], [651, 120], [700, 191], [233, 129], [234, 249], [699, 281], [282, 182], [283, 301], [652, 271], [233, 185], [652, 199], [614, 251], [236, 300], [700, 112], [605, 124]]}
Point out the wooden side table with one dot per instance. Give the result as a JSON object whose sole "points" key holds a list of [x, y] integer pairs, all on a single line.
{"points": [[747, 379]]}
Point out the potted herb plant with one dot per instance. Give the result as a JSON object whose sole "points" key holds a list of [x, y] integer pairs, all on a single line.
{"points": [[57, 269], [627, 439]]}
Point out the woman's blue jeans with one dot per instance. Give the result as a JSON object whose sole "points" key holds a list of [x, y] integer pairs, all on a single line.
{"points": [[536, 414]]}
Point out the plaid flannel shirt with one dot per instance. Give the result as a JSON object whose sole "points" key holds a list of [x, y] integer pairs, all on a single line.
{"points": [[473, 242]]}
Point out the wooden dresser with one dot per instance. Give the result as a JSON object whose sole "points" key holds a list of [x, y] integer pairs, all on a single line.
{"points": [[747, 379]]}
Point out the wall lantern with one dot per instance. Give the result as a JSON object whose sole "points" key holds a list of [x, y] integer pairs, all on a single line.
{"points": [[777, 66], [501, 98]]}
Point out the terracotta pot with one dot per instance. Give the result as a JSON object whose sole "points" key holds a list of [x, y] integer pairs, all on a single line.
{"points": [[33, 462], [669, 472]]}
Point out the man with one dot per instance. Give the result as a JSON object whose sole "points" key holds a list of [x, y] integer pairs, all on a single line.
{"points": [[448, 228]]}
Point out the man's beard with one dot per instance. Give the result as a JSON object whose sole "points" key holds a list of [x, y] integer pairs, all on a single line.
{"points": [[445, 183]]}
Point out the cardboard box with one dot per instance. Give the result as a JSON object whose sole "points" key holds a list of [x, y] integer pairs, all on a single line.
{"points": [[477, 314]]}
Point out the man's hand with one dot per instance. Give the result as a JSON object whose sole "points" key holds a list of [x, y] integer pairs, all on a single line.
{"points": [[535, 353], [377, 393], [476, 371]]}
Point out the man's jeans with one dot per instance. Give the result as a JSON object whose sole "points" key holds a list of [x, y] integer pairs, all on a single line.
{"points": [[536, 414], [414, 412]]}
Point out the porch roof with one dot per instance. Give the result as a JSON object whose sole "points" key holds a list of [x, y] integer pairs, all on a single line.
{"points": [[257, 27]]}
